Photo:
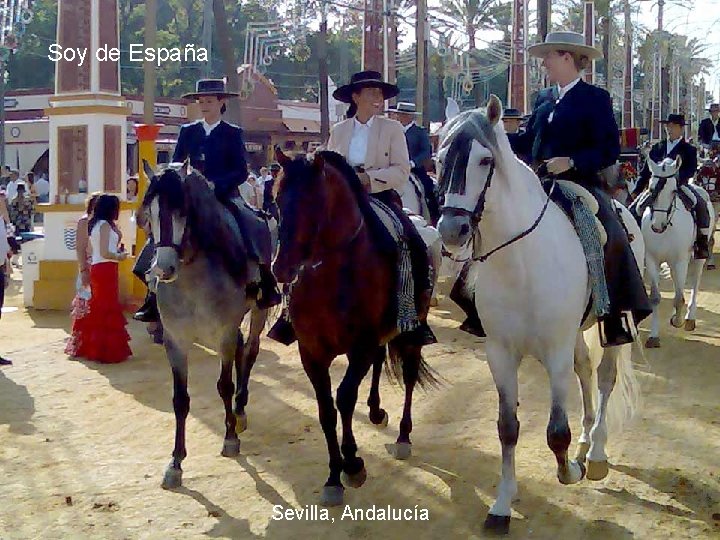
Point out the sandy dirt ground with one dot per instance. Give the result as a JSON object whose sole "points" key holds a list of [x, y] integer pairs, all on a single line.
{"points": [[83, 446]]}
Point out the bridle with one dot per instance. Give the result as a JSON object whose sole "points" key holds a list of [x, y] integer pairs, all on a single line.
{"points": [[166, 230], [670, 210], [477, 214]]}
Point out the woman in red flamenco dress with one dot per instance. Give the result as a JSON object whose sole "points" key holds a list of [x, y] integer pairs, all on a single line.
{"points": [[101, 335]]}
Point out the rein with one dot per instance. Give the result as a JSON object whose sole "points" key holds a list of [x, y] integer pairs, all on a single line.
{"points": [[670, 210], [342, 245], [477, 214]]}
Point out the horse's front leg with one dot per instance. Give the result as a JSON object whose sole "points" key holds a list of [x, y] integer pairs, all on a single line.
{"points": [[504, 368], [653, 273], [583, 370], [679, 272], [359, 361], [232, 346], [181, 406], [559, 365], [245, 358], [695, 271], [317, 370], [377, 415]]}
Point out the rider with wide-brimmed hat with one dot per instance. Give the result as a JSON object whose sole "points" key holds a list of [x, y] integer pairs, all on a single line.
{"points": [[216, 149], [575, 137], [672, 146], [419, 150], [375, 147], [709, 129]]}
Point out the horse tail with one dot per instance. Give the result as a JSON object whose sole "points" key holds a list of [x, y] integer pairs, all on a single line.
{"points": [[625, 398], [405, 363]]}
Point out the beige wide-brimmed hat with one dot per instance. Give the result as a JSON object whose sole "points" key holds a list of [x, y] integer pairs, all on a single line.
{"points": [[564, 41]]}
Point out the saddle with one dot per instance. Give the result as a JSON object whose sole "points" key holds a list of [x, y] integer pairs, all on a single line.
{"points": [[561, 198]]}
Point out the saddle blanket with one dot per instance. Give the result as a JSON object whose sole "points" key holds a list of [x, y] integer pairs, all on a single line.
{"points": [[407, 317]]}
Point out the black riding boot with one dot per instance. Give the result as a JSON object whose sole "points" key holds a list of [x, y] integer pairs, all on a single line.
{"points": [[466, 301], [269, 294], [702, 221], [148, 312], [282, 331]]}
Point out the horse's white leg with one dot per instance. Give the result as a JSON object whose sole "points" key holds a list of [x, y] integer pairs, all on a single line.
{"points": [[679, 272], [695, 271], [607, 373], [504, 367], [584, 372], [653, 272], [559, 365]]}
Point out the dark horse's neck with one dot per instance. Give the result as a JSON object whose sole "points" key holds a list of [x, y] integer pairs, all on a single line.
{"points": [[345, 222]]}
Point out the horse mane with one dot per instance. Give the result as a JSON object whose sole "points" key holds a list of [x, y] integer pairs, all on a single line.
{"points": [[210, 227], [458, 136], [375, 225]]}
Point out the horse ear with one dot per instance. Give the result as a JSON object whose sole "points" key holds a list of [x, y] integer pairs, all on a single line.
{"points": [[494, 109], [148, 171], [281, 158], [678, 161], [452, 109]]}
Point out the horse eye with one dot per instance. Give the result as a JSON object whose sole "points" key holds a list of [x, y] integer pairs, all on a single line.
{"points": [[486, 161]]}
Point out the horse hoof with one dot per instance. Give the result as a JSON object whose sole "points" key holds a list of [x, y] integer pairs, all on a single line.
{"points": [[240, 423], [582, 451], [497, 524], [652, 343], [690, 325], [332, 496], [675, 321], [597, 470], [574, 473], [400, 450], [231, 448], [355, 480], [381, 420], [172, 478]]}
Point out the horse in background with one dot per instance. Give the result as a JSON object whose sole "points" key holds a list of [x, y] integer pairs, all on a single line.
{"points": [[343, 300], [202, 271], [532, 292], [669, 231]]}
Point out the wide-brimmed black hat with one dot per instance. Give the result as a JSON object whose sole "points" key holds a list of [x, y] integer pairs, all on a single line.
{"points": [[714, 107], [512, 114], [210, 87], [365, 79], [678, 119], [403, 107]]}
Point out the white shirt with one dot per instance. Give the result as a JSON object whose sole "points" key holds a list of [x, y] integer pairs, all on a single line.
{"points": [[715, 136], [359, 142], [210, 127], [672, 144], [97, 258], [11, 190], [562, 90], [4, 245], [411, 124], [249, 193], [42, 187]]}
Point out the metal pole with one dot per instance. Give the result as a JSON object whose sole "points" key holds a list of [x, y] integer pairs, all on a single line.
{"points": [[386, 48], [149, 68], [323, 68], [421, 40], [2, 113], [207, 34], [628, 105]]}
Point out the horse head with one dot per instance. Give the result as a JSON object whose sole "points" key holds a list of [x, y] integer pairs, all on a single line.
{"points": [[164, 211], [466, 163], [300, 194], [663, 191]]}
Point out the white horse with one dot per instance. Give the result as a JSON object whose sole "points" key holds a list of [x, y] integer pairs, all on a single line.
{"points": [[531, 296], [669, 231]]}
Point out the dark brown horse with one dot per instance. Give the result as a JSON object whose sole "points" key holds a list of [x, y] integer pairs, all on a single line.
{"points": [[335, 251]]}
